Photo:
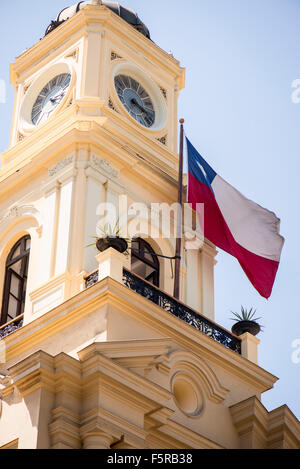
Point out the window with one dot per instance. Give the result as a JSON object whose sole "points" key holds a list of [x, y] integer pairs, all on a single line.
{"points": [[16, 271], [144, 261]]}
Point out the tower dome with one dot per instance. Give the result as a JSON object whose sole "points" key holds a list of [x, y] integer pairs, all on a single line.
{"points": [[126, 14]]}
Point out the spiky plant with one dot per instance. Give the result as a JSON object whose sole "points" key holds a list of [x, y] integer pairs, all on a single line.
{"points": [[245, 315], [109, 231]]}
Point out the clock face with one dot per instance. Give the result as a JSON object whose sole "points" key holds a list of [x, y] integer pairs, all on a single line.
{"points": [[135, 99], [49, 98]]}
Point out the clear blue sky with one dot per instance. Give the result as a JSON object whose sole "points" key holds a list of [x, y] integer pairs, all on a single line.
{"points": [[241, 58]]}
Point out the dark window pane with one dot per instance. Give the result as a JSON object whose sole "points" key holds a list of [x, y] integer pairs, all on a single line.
{"points": [[144, 262], [17, 267], [15, 280], [12, 307], [15, 283], [16, 252]]}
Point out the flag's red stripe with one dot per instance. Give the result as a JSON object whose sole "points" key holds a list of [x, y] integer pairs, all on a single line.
{"points": [[260, 271]]}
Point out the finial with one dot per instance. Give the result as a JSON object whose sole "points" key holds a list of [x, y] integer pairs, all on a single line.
{"points": [[181, 121]]}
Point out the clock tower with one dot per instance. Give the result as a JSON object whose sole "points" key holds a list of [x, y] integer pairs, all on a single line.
{"points": [[94, 350]]}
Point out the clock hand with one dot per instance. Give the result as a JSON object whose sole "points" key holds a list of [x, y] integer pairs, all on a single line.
{"points": [[146, 111], [60, 95], [56, 98]]}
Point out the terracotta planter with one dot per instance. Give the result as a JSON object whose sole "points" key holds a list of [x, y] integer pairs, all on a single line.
{"points": [[246, 326], [119, 244]]}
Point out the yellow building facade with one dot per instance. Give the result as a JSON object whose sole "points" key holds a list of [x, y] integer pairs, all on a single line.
{"points": [[94, 350]]}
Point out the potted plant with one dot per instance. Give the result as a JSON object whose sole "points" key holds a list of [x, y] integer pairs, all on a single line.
{"points": [[247, 322], [110, 239]]}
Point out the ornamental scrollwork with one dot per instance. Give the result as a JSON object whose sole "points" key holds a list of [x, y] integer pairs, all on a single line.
{"points": [[60, 165], [103, 165]]}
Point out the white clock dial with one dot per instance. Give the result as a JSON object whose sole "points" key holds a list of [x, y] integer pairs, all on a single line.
{"points": [[49, 98]]}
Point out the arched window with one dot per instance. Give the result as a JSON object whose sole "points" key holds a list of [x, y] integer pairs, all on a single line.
{"points": [[16, 271], [144, 262]]}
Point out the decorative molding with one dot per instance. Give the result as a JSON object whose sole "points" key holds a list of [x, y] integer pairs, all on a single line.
{"points": [[111, 294], [72, 55], [163, 140], [64, 429], [115, 56], [20, 137], [12, 213], [70, 102], [164, 93], [26, 87], [200, 372], [5, 380], [50, 294], [18, 211], [102, 165], [112, 106], [60, 165]]}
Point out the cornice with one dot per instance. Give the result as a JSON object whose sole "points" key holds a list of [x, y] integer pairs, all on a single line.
{"points": [[110, 293], [181, 333], [249, 414], [100, 18], [184, 434], [132, 348], [272, 429], [35, 153], [282, 419], [111, 372], [157, 439], [114, 421], [34, 372], [40, 370]]}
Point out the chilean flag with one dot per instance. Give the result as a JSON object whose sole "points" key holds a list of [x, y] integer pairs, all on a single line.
{"points": [[235, 224]]}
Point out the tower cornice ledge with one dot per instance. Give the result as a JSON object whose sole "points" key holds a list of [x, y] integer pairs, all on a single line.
{"points": [[99, 17], [62, 135], [108, 296]]}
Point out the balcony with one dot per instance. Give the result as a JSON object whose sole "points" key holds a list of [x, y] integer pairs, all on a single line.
{"points": [[176, 308], [11, 326], [164, 301]]}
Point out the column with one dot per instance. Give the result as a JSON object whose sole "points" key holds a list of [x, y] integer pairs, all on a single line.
{"points": [[65, 218]]}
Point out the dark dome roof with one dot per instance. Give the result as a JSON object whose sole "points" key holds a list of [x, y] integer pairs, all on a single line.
{"points": [[128, 15]]}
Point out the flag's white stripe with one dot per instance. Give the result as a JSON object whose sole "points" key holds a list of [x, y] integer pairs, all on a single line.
{"points": [[253, 227]]}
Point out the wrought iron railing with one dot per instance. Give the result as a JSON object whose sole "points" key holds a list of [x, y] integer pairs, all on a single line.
{"points": [[91, 279], [176, 308], [11, 326]]}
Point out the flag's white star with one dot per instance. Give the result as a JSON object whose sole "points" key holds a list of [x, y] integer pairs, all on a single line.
{"points": [[202, 169]]}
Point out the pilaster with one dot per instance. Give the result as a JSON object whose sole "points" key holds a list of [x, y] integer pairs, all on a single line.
{"points": [[207, 286], [249, 347], [193, 279]]}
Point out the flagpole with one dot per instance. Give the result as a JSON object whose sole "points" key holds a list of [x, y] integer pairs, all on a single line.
{"points": [[179, 217]]}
